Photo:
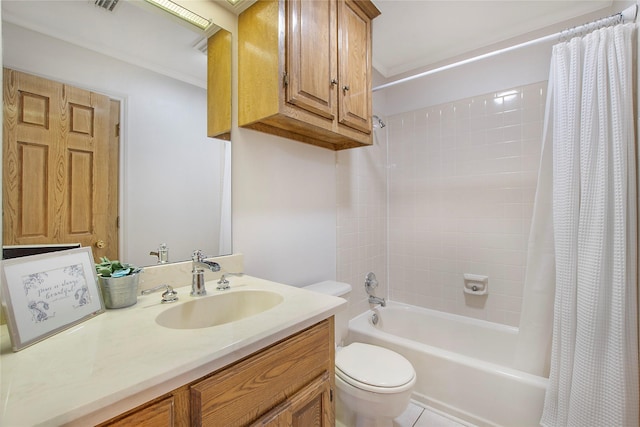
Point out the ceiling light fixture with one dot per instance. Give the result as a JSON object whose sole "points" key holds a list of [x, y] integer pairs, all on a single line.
{"points": [[106, 4], [234, 2], [182, 13]]}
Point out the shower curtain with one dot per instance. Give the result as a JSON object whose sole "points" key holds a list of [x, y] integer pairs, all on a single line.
{"points": [[594, 362]]}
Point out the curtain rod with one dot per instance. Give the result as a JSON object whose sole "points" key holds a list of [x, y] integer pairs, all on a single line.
{"points": [[627, 15]]}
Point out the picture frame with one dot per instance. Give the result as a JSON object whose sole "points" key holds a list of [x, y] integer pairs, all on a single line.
{"points": [[45, 294]]}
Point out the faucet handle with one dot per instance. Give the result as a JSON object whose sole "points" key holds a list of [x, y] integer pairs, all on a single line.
{"points": [[197, 256], [370, 283], [223, 284], [169, 295]]}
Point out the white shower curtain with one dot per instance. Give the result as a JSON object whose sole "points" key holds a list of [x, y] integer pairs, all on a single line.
{"points": [[594, 362]]}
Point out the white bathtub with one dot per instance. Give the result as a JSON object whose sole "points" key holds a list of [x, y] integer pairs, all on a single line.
{"points": [[464, 366]]}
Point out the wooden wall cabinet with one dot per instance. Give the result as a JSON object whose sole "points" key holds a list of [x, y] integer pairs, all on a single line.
{"points": [[304, 70], [290, 383], [219, 85]]}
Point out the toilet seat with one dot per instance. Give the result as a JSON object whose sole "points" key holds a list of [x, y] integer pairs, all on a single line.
{"points": [[376, 369]]}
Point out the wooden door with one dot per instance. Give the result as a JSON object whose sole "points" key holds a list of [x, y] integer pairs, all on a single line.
{"points": [[59, 165], [354, 36], [311, 69]]}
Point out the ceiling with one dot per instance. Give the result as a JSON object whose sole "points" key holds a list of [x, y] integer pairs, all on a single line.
{"points": [[408, 35], [135, 32], [413, 34]]}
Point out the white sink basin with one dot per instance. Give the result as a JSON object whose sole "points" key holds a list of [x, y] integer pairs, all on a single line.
{"points": [[218, 309]]}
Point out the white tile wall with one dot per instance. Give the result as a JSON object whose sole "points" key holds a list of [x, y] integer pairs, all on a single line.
{"points": [[362, 218], [461, 184], [444, 191]]}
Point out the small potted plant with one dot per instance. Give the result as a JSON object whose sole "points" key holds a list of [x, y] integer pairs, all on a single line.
{"points": [[118, 283]]}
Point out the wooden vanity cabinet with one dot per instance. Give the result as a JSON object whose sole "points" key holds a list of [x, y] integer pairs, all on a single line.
{"points": [[290, 383], [304, 70]]}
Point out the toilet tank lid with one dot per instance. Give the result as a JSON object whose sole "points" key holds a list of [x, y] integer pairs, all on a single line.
{"points": [[330, 287]]}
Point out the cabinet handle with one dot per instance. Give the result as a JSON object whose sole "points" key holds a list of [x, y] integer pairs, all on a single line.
{"points": [[334, 82], [345, 88]]}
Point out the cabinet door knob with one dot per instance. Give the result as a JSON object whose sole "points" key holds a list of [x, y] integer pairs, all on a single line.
{"points": [[100, 244], [345, 88], [334, 82]]}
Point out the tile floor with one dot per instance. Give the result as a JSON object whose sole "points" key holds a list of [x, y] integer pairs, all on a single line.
{"points": [[419, 416]]}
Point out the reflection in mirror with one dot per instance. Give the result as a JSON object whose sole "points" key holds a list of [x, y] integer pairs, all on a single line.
{"points": [[174, 180], [219, 85]]}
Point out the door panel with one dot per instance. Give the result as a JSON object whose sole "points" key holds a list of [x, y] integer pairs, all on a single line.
{"points": [[30, 129], [80, 203], [354, 65], [88, 165], [33, 178], [311, 53]]}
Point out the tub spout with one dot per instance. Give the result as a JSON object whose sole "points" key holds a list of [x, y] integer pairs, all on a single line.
{"points": [[376, 300]]}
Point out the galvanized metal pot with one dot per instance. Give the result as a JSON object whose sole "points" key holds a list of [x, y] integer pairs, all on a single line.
{"points": [[119, 292]]}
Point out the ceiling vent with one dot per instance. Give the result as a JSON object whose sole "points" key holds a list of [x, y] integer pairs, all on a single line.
{"points": [[107, 4]]}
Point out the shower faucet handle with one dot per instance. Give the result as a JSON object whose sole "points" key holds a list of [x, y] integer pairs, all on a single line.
{"points": [[370, 282]]}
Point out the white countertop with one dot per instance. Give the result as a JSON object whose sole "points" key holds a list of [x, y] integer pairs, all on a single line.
{"points": [[123, 358]]}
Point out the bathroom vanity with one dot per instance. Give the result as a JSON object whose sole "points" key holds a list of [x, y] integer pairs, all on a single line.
{"points": [[273, 367], [288, 383]]}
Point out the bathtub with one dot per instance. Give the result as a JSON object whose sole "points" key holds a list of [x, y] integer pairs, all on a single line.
{"points": [[463, 365]]}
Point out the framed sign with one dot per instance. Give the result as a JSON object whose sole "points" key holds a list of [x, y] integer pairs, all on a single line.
{"points": [[48, 293]]}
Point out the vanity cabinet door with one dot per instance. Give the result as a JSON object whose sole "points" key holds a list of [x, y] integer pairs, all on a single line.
{"points": [[161, 413], [310, 407], [244, 392]]}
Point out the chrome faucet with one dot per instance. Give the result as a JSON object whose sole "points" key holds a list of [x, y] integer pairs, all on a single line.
{"points": [[197, 272], [370, 283], [223, 283], [376, 300]]}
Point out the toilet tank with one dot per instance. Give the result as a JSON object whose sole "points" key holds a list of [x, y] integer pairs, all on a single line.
{"points": [[338, 289]]}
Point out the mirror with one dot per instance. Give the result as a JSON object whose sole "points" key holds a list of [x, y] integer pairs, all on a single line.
{"points": [[175, 182]]}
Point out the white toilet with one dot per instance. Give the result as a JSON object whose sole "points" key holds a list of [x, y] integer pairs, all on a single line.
{"points": [[374, 384]]}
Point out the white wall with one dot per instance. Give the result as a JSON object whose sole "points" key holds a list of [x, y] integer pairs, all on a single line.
{"points": [[170, 166], [512, 69], [284, 204], [284, 208]]}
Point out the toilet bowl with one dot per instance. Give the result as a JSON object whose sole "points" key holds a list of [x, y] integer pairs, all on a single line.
{"points": [[373, 383]]}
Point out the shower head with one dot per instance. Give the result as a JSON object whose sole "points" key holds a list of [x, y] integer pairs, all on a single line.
{"points": [[378, 123]]}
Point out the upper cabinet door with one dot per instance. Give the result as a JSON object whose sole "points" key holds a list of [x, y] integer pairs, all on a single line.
{"points": [[354, 36], [311, 69]]}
